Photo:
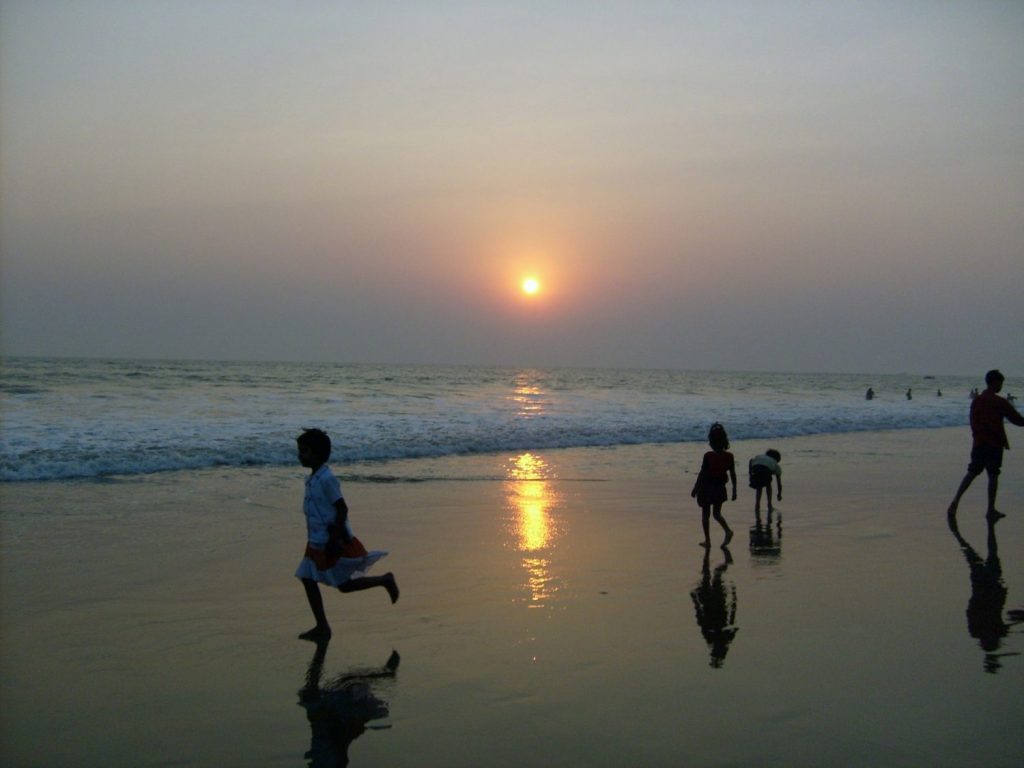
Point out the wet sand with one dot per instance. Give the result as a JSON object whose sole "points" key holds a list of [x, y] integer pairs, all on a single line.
{"points": [[555, 610]]}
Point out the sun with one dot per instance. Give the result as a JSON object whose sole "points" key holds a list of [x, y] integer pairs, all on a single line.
{"points": [[531, 286]]}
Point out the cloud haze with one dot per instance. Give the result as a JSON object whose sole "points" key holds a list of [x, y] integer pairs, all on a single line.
{"points": [[783, 186]]}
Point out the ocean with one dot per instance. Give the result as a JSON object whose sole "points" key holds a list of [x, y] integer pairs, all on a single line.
{"points": [[88, 418]]}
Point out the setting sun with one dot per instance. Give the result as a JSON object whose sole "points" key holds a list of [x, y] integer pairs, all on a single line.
{"points": [[530, 286]]}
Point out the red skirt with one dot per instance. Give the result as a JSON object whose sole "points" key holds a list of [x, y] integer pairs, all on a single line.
{"points": [[337, 563]]}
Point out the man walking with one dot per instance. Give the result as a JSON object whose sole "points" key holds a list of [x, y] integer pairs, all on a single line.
{"points": [[987, 413]]}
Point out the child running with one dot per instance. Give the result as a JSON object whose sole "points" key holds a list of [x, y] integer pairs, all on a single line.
{"points": [[333, 554], [709, 489]]}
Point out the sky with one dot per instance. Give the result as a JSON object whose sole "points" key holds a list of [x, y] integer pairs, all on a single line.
{"points": [[779, 186]]}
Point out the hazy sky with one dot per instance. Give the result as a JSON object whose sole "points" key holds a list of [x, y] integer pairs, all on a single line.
{"points": [[834, 186]]}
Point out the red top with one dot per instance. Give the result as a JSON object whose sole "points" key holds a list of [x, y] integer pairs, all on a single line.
{"points": [[716, 466], [987, 413]]}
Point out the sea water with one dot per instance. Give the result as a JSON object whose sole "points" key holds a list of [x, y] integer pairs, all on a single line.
{"points": [[82, 418]]}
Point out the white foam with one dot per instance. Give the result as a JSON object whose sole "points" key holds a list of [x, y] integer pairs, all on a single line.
{"points": [[97, 418]]}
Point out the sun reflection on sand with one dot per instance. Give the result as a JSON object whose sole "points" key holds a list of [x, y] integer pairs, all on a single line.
{"points": [[532, 525]]}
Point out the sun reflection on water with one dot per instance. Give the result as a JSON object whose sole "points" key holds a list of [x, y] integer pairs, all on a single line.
{"points": [[528, 397], [532, 524]]}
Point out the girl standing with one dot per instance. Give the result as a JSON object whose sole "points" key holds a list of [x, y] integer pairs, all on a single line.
{"points": [[709, 489]]}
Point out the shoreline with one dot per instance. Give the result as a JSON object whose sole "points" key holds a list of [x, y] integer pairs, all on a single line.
{"points": [[155, 618], [65, 422], [411, 469]]}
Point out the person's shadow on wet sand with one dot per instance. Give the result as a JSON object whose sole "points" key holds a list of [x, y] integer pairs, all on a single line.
{"points": [[985, 620], [339, 710], [715, 604], [766, 541]]}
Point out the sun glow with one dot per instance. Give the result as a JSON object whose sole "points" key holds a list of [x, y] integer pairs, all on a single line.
{"points": [[530, 286]]}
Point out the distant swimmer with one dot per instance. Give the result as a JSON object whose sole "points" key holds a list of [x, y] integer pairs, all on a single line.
{"points": [[987, 414], [938, 393], [910, 395], [870, 394]]}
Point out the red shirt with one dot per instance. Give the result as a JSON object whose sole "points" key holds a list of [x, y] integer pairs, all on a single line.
{"points": [[987, 413], [716, 466]]}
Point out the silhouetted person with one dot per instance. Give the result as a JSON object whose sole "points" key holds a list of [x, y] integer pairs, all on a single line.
{"points": [[910, 394], [715, 603], [717, 467], [985, 620], [870, 394], [760, 470], [339, 711], [333, 555], [988, 410]]}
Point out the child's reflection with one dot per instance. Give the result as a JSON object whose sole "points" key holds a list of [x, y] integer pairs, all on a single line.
{"points": [[766, 540], [715, 603], [339, 710], [985, 620]]}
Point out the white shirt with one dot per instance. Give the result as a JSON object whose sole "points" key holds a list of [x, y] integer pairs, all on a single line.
{"points": [[764, 460], [322, 490]]}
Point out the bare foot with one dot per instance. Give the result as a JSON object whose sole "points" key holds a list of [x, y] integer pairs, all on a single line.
{"points": [[391, 586], [728, 538], [994, 514], [316, 633]]}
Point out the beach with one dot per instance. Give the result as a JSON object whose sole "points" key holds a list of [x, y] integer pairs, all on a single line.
{"points": [[563, 615], [522, 264]]}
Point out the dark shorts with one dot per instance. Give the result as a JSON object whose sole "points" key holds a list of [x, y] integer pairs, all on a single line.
{"points": [[987, 458], [709, 494], [760, 476]]}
